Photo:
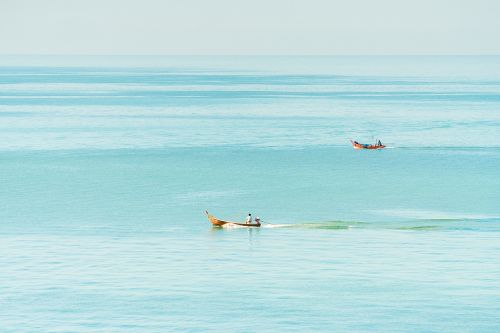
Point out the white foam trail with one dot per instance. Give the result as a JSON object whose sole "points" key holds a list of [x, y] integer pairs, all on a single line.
{"points": [[268, 225]]}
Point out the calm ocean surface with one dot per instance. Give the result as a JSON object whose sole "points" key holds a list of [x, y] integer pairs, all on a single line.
{"points": [[107, 165]]}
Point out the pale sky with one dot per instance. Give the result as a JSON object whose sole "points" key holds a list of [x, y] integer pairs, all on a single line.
{"points": [[247, 27]]}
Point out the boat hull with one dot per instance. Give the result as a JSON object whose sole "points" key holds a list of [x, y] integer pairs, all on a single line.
{"points": [[365, 146], [219, 223]]}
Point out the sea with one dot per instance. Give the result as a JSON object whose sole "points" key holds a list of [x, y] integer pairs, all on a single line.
{"points": [[108, 163]]}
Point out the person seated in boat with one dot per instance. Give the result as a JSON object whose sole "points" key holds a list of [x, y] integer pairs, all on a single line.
{"points": [[249, 218], [257, 220], [379, 143], [356, 142]]}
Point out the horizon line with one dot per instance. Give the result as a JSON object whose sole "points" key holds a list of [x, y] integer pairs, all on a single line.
{"points": [[250, 55]]}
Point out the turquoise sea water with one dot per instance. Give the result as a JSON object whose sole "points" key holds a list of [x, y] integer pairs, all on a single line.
{"points": [[108, 163]]}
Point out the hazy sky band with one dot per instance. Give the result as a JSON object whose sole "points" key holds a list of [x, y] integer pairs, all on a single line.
{"points": [[317, 27]]}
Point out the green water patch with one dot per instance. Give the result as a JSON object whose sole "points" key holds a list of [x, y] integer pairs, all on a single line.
{"points": [[420, 227]]}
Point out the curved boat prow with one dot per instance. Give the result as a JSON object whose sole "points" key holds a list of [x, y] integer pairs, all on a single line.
{"points": [[355, 145]]}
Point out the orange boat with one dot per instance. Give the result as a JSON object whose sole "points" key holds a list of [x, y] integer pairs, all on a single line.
{"points": [[357, 145], [219, 223]]}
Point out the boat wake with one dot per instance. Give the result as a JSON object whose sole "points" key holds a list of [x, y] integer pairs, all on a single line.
{"points": [[271, 226], [423, 224], [329, 225]]}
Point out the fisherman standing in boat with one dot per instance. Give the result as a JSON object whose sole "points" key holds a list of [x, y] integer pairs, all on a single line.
{"points": [[249, 218]]}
